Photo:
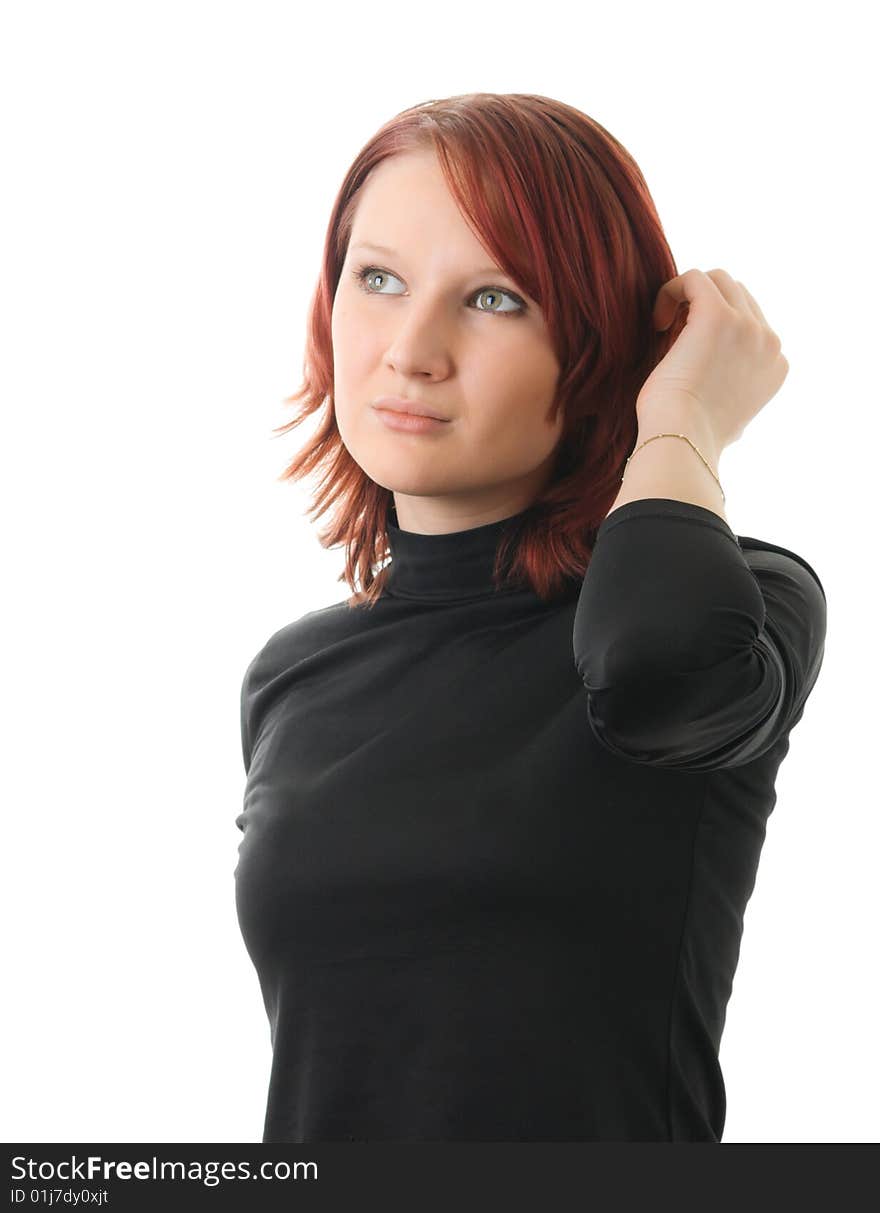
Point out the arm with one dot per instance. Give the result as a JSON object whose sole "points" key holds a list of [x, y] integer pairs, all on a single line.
{"points": [[669, 467], [693, 656]]}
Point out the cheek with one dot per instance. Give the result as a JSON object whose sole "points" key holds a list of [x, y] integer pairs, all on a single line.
{"points": [[350, 340], [514, 437]]}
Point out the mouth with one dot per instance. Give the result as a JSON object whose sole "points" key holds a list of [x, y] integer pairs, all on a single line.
{"points": [[407, 408], [411, 423]]}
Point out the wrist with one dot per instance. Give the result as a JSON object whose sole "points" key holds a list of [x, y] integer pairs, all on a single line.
{"points": [[680, 415]]}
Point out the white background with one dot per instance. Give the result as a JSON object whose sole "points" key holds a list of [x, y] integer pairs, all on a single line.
{"points": [[169, 172]]}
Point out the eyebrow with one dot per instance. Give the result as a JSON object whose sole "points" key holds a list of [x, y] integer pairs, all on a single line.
{"points": [[390, 252]]}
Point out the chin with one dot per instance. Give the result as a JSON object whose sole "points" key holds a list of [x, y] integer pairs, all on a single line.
{"points": [[409, 473]]}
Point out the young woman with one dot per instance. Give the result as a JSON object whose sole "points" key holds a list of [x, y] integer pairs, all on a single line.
{"points": [[505, 803]]}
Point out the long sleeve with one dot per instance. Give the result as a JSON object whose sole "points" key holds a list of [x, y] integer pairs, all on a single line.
{"points": [[244, 714], [697, 649], [249, 684]]}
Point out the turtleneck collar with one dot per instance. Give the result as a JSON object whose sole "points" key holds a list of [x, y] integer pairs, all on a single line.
{"points": [[443, 568]]}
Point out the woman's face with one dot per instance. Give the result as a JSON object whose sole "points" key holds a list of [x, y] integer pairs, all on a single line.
{"points": [[435, 321]]}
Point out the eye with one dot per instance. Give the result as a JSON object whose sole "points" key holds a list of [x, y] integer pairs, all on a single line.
{"points": [[363, 273]]}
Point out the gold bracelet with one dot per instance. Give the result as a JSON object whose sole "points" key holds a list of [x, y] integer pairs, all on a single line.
{"points": [[685, 437]]}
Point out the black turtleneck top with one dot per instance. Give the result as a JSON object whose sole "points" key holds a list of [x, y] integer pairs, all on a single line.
{"points": [[496, 853]]}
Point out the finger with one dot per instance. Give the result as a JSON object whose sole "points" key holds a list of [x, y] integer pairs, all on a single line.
{"points": [[754, 306], [682, 289], [731, 290]]}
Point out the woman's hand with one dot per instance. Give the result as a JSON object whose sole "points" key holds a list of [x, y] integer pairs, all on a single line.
{"points": [[726, 362]]}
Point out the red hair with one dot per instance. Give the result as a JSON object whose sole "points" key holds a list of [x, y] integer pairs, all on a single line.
{"points": [[564, 210]]}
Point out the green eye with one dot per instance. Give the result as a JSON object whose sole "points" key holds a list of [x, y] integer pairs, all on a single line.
{"points": [[366, 271]]}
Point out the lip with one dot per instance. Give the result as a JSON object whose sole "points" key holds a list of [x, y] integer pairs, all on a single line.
{"points": [[409, 423], [412, 408]]}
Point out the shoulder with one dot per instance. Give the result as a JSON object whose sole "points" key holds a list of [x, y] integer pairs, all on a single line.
{"points": [[300, 639], [795, 615], [794, 596], [762, 555], [285, 658]]}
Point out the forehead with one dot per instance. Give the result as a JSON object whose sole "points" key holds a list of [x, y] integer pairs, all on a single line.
{"points": [[406, 210]]}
